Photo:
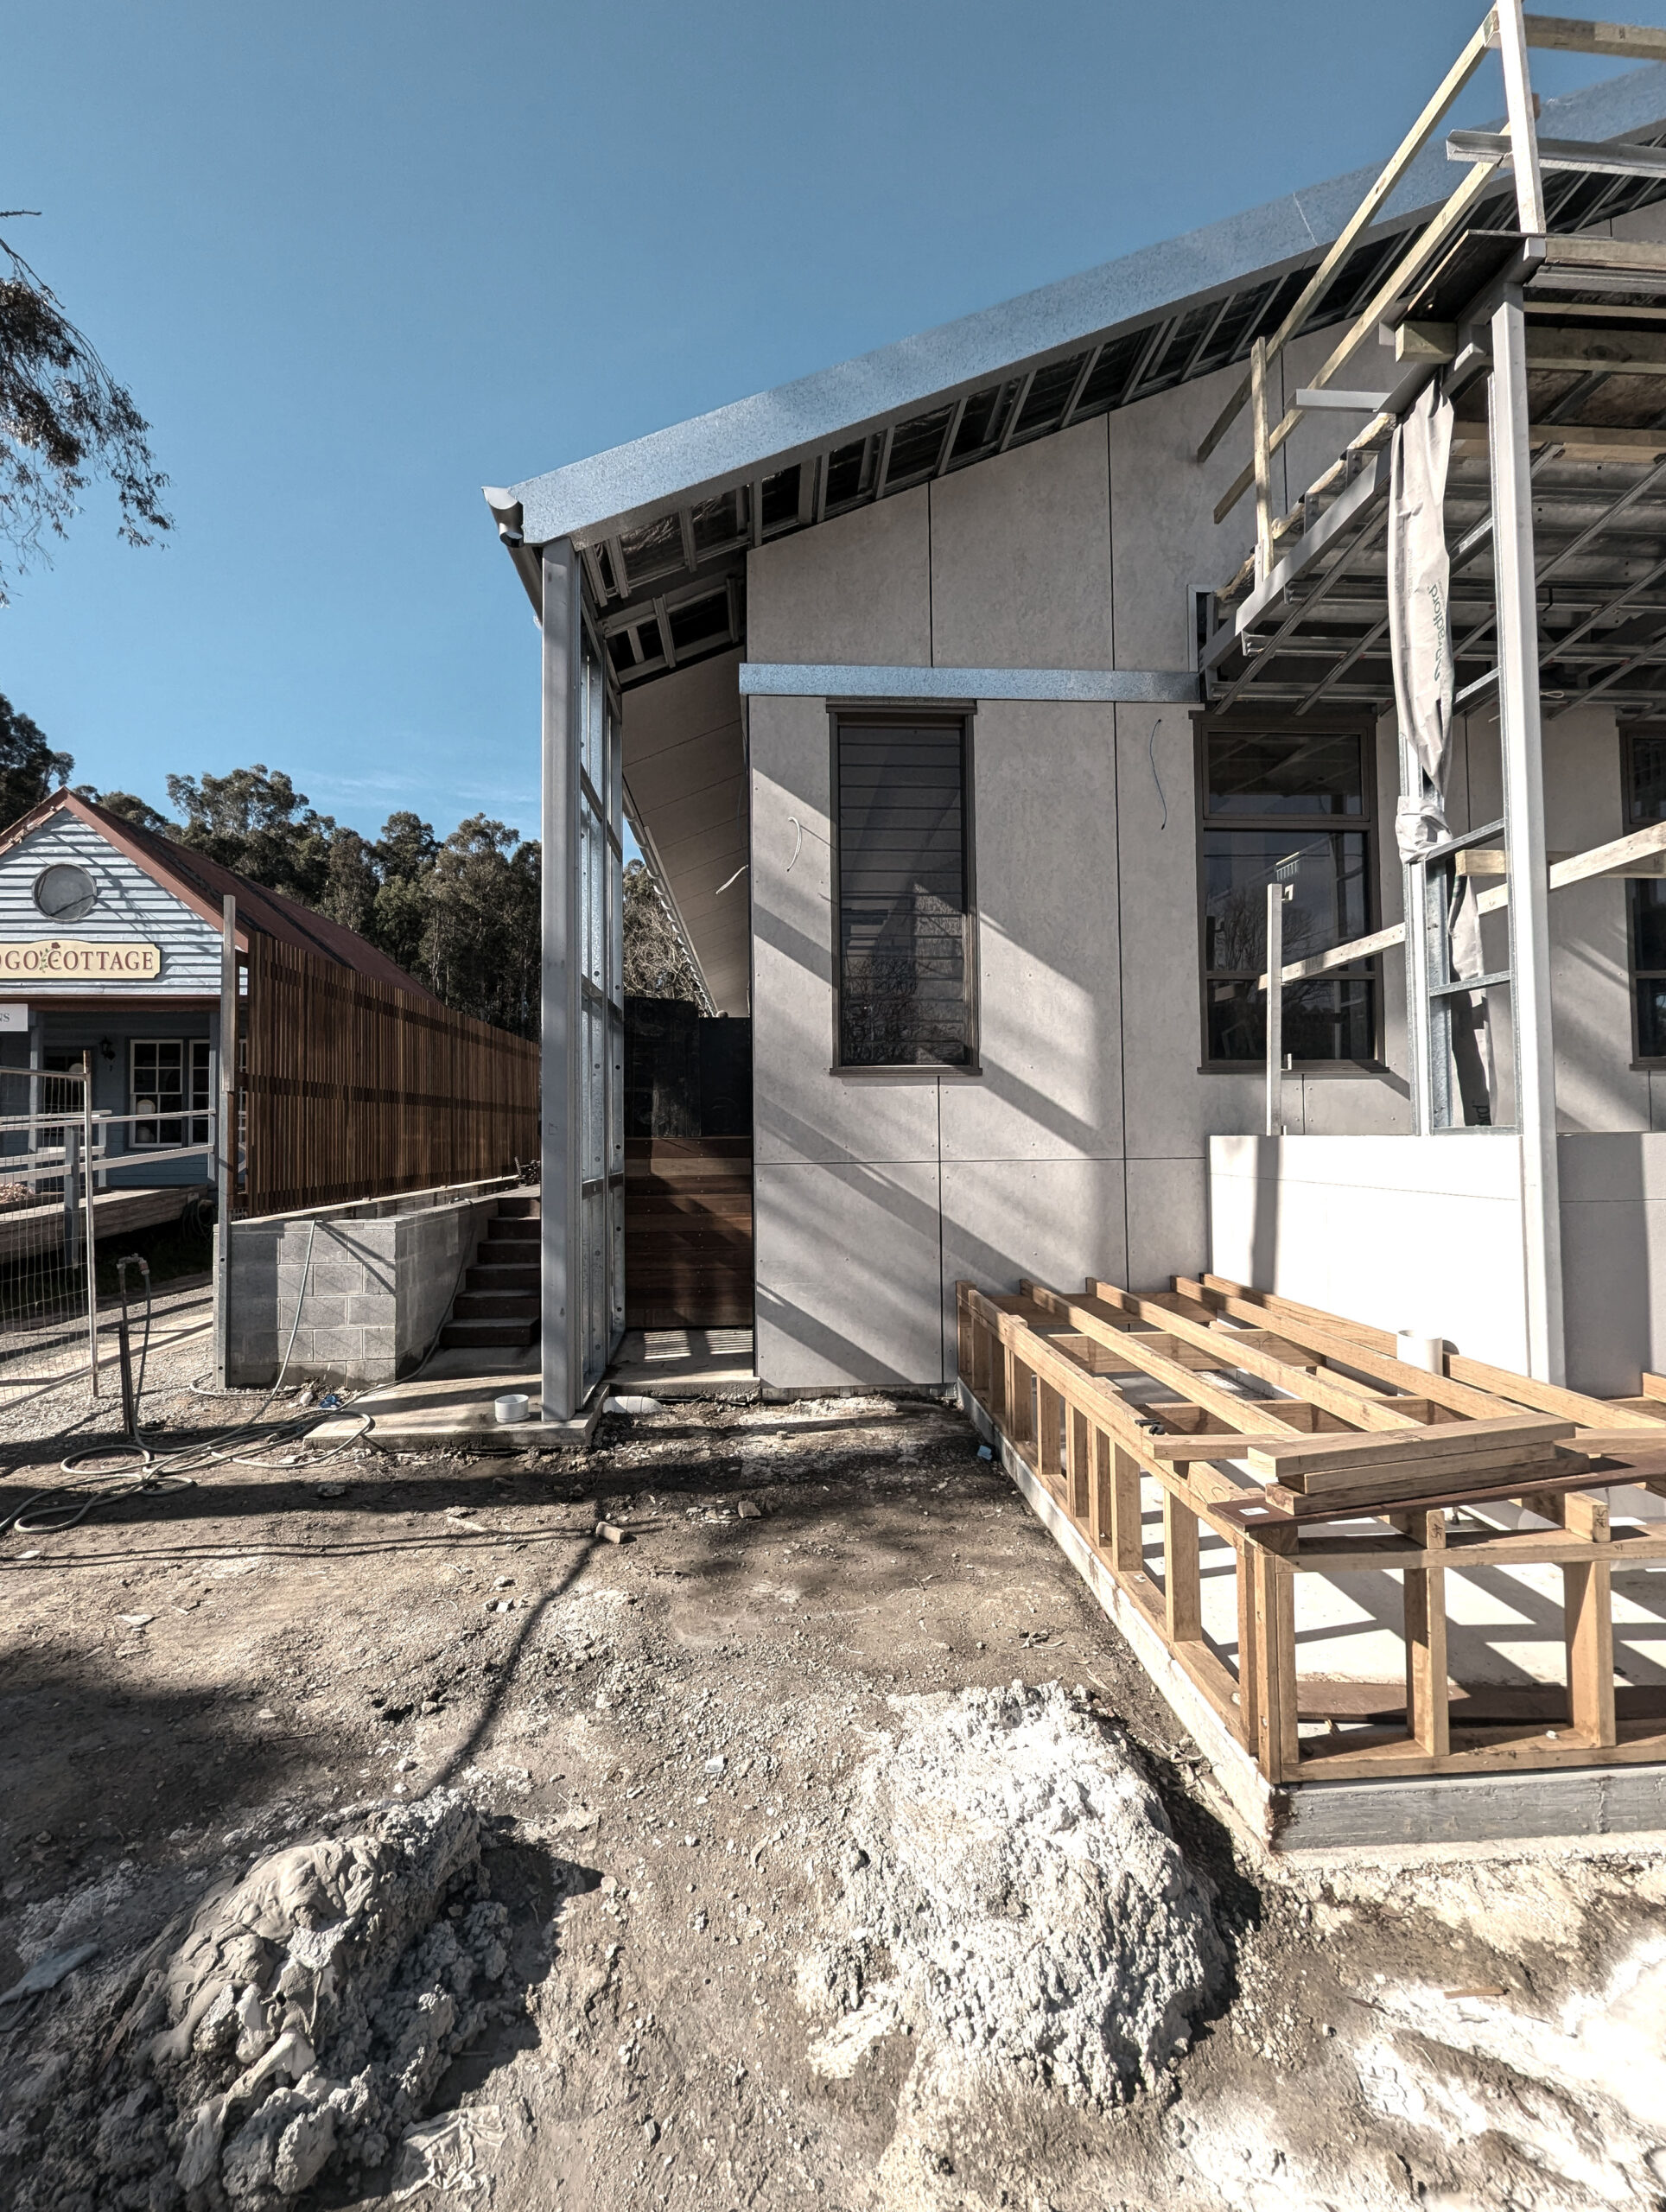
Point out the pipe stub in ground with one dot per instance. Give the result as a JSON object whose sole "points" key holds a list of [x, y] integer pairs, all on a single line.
{"points": [[514, 1405]]}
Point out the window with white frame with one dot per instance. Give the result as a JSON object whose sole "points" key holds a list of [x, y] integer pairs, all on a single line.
{"points": [[170, 1089]]}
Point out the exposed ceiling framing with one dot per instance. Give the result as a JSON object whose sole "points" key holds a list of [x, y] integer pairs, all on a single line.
{"points": [[672, 590], [1316, 633]]}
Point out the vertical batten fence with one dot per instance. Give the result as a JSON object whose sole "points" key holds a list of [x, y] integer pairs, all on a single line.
{"points": [[354, 1089]]}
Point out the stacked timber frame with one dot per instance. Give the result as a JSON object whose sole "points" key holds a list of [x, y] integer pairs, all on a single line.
{"points": [[1280, 1430]]}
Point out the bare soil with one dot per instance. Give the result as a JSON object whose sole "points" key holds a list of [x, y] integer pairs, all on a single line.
{"points": [[666, 1735]]}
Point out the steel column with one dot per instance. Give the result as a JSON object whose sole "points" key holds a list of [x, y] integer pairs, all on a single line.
{"points": [[562, 1031], [1529, 888], [88, 1207]]}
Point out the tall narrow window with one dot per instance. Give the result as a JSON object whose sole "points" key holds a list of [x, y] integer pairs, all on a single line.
{"points": [[905, 964], [1289, 805], [1645, 801]]}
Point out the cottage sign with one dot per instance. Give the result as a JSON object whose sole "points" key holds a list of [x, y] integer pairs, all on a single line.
{"points": [[75, 960]]}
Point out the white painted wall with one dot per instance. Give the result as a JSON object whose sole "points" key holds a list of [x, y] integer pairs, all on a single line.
{"points": [[1402, 1232], [1425, 1233]]}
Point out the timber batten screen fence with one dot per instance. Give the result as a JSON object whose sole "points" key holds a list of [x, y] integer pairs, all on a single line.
{"points": [[354, 1089]]}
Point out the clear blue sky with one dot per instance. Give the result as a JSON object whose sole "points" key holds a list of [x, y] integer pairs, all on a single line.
{"points": [[356, 260]]}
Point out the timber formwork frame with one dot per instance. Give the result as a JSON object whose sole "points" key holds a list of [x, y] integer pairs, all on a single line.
{"points": [[1302, 1443]]}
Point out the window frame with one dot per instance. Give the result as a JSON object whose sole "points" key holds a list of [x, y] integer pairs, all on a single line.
{"points": [[1629, 733], [189, 1119], [1335, 724], [900, 715]]}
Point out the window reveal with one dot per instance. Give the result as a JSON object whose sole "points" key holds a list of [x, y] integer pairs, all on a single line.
{"points": [[1283, 807], [905, 957]]}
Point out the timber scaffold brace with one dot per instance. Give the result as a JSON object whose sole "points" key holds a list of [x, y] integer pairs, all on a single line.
{"points": [[1340, 1433]]}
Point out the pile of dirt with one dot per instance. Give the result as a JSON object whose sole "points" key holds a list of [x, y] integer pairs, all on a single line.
{"points": [[1014, 1895], [298, 2020]]}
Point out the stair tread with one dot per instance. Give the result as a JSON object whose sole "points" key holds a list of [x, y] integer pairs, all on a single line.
{"points": [[489, 1332]]}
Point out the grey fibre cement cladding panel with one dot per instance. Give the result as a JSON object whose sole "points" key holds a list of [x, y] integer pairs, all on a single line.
{"points": [[732, 443]]}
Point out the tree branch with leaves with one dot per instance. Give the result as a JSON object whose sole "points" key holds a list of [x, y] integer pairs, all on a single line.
{"points": [[63, 418]]}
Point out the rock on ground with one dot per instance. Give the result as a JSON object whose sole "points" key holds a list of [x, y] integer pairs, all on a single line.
{"points": [[297, 2021], [1015, 1894]]}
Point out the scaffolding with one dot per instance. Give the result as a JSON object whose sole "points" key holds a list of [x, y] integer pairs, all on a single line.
{"points": [[1550, 348]]}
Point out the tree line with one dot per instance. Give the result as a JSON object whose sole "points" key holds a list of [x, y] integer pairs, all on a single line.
{"points": [[461, 914]]}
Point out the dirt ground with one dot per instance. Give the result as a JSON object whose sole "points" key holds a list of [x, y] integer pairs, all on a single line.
{"points": [[666, 1736]]}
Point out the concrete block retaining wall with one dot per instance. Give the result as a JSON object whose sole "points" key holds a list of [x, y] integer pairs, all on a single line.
{"points": [[374, 1283]]}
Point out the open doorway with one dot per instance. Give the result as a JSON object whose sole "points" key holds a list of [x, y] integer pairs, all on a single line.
{"points": [[688, 1190]]}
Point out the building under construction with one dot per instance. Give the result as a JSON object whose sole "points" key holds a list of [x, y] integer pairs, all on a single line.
{"points": [[1000, 712]]}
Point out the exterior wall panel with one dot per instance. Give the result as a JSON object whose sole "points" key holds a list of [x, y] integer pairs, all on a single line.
{"points": [[1090, 1109]]}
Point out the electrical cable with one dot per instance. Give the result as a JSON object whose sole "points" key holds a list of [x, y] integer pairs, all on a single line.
{"points": [[49, 1512]]}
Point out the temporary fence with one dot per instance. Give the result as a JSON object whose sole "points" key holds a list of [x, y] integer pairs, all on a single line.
{"points": [[55, 1156], [351, 1089]]}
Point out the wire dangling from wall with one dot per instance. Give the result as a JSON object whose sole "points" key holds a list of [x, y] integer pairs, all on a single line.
{"points": [[1152, 754]]}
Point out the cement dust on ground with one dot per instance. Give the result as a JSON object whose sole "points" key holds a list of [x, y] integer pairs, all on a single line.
{"points": [[374, 1833]]}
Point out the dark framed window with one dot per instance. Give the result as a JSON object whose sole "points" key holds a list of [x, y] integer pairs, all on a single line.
{"points": [[905, 956], [1645, 897], [1286, 803]]}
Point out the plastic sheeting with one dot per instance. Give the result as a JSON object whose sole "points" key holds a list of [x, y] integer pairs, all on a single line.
{"points": [[1420, 639]]}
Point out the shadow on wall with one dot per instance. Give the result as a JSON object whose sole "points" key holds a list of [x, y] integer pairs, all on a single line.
{"points": [[1612, 1235], [1071, 1135], [1263, 1235]]}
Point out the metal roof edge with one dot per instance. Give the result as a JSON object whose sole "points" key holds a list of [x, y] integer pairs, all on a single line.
{"points": [[606, 491]]}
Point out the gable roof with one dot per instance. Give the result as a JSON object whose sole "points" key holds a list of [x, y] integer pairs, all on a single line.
{"points": [[203, 885], [665, 521]]}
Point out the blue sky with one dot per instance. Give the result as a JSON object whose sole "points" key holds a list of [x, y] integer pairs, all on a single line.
{"points": [[355, 261]]}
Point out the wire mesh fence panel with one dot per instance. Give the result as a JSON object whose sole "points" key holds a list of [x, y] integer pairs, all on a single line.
{"points": [[46, 1262]]}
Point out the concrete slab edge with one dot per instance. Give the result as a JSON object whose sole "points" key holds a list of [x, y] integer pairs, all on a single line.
{"points": [[399, 1429]]}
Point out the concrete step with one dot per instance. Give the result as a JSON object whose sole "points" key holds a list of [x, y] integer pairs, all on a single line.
{"points": [[485, 1335], [515, 1231], [517, 1275], [493, 1305], [517, 1209]]}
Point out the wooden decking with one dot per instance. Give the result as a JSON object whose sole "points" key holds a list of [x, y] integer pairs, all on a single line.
{"points": [[688, 1232], [1349, 1462], [25, 1229]]}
